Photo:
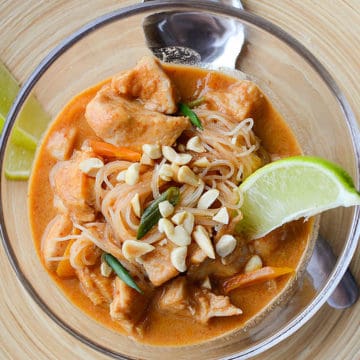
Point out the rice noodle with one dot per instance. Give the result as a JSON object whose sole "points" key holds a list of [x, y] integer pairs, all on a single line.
{"points": [[65, 238], [239, 174], [245, 125], [200, 212], [116, 205], [83, 253], [220, 165], [46, 234], [153, 237], [231, 184], [191, 195], [112, 249], [205, 221], [57, 258], [102, 177], [210, 115], [246, 152], [90, 236], [155, 179], [129, 220]]}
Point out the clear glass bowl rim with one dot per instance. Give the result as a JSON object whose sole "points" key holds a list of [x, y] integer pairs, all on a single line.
{"points": [[220, 9]]}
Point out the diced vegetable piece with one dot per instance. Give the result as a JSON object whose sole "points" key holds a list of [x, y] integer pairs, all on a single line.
{"points": [[152, 215], [121, 272], [185, 110], [64, 269], [108, 150], [254, 277]]}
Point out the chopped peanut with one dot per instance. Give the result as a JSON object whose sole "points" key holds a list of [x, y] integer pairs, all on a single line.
{"points": [[226, 245], [195, 144], [255, 263], [222, 216], [132, 174], [166, 209], [202, 162], [171, 155], [133, 249], [208, 198], [152, 150], [186, 176], [202, 238], [178, 258]]}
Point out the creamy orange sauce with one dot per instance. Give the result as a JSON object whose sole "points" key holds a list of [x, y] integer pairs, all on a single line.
{"points": [[288, 244]]}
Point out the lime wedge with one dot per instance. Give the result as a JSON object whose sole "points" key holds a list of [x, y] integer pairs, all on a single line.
{"points": [[20, 137], [18, 162], [33, 119], [31, 123], [292, 188], [8, 90]]}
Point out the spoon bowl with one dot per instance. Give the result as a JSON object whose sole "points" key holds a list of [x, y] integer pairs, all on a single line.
{"points": [[195, 38]]}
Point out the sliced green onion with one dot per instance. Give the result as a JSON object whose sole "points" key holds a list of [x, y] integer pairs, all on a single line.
{"points": [[185, 110], [195, 102], [151, 215], [121, 272]]}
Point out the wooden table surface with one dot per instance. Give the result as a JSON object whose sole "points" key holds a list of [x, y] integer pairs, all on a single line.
{"points": [[328, 28]]}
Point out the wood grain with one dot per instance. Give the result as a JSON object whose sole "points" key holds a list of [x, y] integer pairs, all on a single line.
{"points": [[329, 28]]}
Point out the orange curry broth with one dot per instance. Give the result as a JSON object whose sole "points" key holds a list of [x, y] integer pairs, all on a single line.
{"points": [[286, 250]]}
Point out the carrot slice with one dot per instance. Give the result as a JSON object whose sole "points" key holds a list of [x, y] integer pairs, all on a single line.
{"points": [[108, 150], [64, 269], [254, 277]]}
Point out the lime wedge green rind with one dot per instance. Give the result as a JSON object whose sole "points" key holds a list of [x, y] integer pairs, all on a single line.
{"points": [[290, 189]]}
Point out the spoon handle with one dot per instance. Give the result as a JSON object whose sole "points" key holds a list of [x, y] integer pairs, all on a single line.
{"points": [[320, 267]]}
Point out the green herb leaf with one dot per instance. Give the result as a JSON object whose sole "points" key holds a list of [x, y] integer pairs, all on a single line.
{"points": [[196, 102], [121, 272], [185, 110], [151, 215]]}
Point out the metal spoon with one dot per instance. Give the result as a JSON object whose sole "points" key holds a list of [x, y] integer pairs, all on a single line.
{"points": [[194, 38]]}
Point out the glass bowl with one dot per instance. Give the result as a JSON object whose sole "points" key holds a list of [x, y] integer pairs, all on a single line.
{"points": [[302, 90]]}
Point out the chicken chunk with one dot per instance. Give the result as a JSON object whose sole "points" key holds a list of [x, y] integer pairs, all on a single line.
{"points": [[183, 299], [209, 305], [148, 82], [124, 122], [73, 188], [158, 265], [96, 287], [59, 227], [175, 297], [238, 101], [61, 143], [128, 306]]}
